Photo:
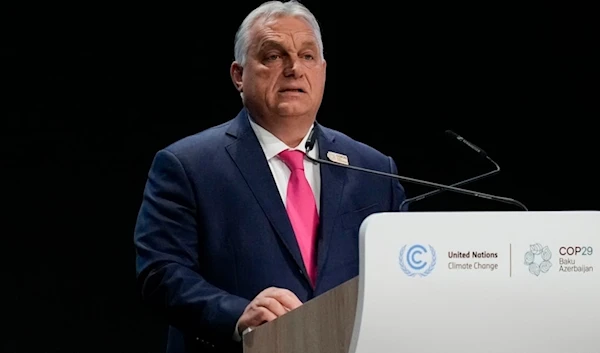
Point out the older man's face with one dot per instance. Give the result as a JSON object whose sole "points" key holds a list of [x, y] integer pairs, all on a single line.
{"points": [[284, 74]]}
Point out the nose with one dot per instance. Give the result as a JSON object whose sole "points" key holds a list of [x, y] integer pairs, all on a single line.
{"points": [[293, 67]]}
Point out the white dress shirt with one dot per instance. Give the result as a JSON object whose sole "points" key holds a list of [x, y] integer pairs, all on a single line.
{"points": [[272, 146]]}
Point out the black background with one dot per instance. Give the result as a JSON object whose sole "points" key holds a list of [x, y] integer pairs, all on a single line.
{"points": [[90, 93]]}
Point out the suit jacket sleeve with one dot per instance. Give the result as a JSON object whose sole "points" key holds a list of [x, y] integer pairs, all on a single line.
{"points": [[166, 242]]}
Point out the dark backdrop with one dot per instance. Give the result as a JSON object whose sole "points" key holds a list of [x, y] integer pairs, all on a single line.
{"points": [[91, 93]]}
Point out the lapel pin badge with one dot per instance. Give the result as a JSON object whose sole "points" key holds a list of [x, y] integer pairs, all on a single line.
{"points": [[338, 158]]}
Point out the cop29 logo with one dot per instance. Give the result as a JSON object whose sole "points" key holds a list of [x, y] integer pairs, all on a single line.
{"points": [[537, 259], [418, 260]]}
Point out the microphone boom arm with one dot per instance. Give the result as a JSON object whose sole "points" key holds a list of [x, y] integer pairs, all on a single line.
{"points": [[443, 187], [467, 181]]}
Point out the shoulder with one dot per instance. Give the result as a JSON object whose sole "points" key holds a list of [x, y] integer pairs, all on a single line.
{"points": [[202, 142], [209, 145], [353, 146], [211, 141]]}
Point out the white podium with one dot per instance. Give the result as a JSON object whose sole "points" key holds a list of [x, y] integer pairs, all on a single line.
{"points": [[468, 282]]}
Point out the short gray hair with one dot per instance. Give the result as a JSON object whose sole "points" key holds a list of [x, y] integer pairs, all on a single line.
{"points": [[265, 11]]}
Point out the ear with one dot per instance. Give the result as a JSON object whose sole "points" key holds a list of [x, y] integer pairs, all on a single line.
{"points": [[236, 71]]}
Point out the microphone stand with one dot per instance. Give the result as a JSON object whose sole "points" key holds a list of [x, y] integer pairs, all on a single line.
{"points": [[310, 143]]}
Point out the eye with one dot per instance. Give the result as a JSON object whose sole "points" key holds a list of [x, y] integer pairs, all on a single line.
{"points": [[273, 57], [308, 57]]}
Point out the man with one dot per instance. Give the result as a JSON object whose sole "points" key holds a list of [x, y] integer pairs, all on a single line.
{"points": [[237, 227]]}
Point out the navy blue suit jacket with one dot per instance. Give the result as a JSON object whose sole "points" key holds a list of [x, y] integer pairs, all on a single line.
{"points": [[212, 231]]}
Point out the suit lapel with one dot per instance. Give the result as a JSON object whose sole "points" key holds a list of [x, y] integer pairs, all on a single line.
{"points": [[249, 157], [333, 180]]}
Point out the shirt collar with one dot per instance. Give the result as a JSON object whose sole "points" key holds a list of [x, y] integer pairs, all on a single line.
{"points": [[271, 145]]}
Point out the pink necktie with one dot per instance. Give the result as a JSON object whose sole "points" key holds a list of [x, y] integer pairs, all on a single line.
{"points": [[302, 210]]}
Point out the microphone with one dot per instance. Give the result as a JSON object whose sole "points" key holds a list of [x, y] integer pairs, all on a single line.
{"points": [[467, 181], [312, 139], [463, 140]]}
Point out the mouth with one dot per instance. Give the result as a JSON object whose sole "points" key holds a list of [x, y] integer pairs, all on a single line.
{"points": [[297, 90]]}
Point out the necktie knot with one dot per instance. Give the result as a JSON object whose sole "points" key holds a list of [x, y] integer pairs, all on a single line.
{"points": [[294, 159]]}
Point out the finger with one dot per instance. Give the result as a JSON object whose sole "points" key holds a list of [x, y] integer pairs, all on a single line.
{"points": [[272, 304], [287, 298], [284, 296], [256, 316], [262, 315]]}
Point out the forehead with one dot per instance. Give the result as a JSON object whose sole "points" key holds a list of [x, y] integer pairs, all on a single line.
{"points": [[283, 29]]}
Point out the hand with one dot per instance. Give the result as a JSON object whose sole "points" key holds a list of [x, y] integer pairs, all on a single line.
{"points": [[267, 306]]}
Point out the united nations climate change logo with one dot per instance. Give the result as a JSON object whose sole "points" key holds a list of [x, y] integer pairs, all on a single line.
{"points": [[418, 260], [538, 259]]}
